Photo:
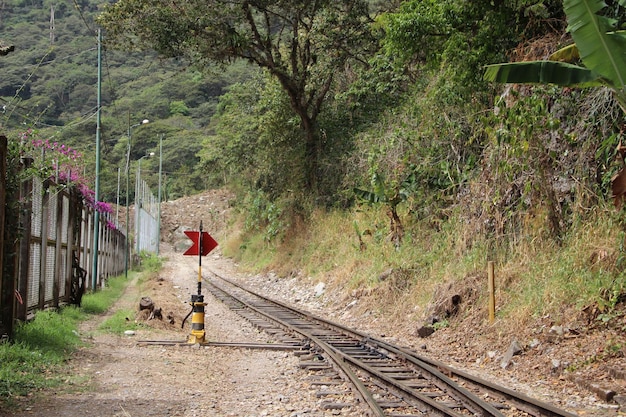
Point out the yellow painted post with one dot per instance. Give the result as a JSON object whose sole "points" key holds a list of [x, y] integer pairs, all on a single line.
{"points": [[492, 291]]}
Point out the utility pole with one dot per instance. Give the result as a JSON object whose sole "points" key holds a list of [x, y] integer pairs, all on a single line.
{"points": [[96, 215], [52, 27], [159, 192]]}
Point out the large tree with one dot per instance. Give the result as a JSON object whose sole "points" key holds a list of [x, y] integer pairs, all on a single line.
{"points": [[304, 44]]}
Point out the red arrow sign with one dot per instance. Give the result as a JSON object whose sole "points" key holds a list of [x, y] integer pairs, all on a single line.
{"points": [[208, 243]]}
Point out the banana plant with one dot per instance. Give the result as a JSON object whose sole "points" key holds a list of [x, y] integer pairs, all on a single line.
{"points": [[391, 196], [601, 48]]}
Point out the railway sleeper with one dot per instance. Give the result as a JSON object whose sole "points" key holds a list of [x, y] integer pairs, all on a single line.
{"points": [[404, 415], [327, 379], [327, 383], [325, 393], [394, 369], [391, 404], [375, 362], [401, 376], [335, 406], [315, 365], [351, 350], [312, 356]]}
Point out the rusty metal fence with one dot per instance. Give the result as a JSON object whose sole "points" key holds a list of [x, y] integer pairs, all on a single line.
{"points": [[50, 250]]}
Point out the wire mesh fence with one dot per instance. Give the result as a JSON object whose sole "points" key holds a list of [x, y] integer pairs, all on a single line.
{"points": [[48, 248], [146, 219]]}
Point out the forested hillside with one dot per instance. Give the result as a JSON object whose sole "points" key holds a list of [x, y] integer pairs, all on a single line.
{"points": [[49, 84], [367, 124]]}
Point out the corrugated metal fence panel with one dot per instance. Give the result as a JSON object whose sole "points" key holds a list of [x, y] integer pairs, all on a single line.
{"points": [[147, 232], [146, 227], [84, 234], [65, 224], [54, 275]]}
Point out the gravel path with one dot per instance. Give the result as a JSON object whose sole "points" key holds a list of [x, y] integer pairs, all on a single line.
{"points": [[116, 376]]}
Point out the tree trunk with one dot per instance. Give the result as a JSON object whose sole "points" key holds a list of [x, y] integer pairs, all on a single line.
{"points": [[311, 154]]}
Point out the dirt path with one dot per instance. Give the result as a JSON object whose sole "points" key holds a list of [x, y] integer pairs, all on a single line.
{"points": [[114, 376]]}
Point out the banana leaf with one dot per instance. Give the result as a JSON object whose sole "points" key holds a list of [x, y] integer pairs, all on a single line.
{"points": [[567, 54], [601, 52], [542, 72]]}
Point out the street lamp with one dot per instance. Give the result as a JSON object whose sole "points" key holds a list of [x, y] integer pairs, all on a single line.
{"points": [[138, 202], [130, 129]]}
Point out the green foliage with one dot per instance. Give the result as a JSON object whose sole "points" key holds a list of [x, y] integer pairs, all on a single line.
{"points": [[416, 31], [530, 161], [35, 358], [179, 107], [150, 262], [257, 143], [51, 88], [441, 324], [382, 193], [265, 216], [598, 44], [100, 301], [613, 295], [456, 38], [22, 370], [303, 58], [231, 152], [41, 347], [51, 332]]}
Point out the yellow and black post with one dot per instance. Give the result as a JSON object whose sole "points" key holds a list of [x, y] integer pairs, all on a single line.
{"points": [[197, 320], [197, 303]]}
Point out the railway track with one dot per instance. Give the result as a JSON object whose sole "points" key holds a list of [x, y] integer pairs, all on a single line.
{"points": [[371, 375]]}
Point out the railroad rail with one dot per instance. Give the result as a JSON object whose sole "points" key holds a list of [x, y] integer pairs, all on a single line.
{"points": [[383, 379]]}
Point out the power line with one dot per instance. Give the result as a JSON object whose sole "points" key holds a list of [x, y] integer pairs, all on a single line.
{"points": [[82, 16]]}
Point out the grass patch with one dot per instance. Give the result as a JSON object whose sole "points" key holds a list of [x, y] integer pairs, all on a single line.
{"points": [[36, 357], [101, 301], [119, 322], [35, 360], [151, 263]]}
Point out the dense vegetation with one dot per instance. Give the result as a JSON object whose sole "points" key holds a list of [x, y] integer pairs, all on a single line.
{"points": [[398, 116], [49, 85]]}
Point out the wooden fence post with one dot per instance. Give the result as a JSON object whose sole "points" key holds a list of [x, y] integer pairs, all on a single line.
{"points": [[492, 291]]}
